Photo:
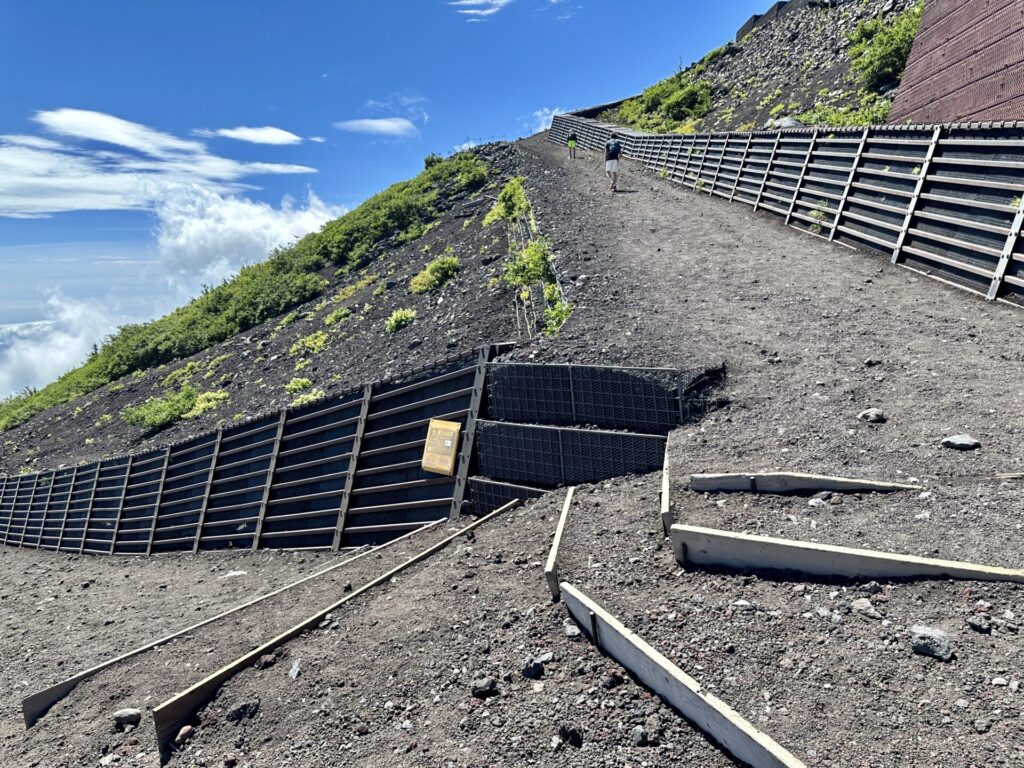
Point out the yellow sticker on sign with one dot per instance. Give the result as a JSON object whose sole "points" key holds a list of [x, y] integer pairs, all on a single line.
{"points": [[442, 447]]}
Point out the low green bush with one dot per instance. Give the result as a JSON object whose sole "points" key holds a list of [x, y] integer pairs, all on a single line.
{"points": [[435, 274], [531, 266], [339, 315], [160, 412], [399, 319], [881, 46], [297, 385], [313, 344], [512, 204], [206, 401], [307, 397], [667, 106]]}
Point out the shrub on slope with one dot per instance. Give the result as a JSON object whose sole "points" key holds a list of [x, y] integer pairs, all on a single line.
{"points": [[289, 277]]}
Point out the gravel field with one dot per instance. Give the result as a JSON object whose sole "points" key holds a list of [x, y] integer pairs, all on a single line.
{"points": [[393, 684], [79, 730], [827, 670]]}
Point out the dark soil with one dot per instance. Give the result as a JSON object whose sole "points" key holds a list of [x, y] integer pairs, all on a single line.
{"points": [[834, 686], [392, 684]]}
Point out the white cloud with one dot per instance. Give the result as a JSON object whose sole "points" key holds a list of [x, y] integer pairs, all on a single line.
{"points": [[204, 236], [465, 145], [34, 354], [541, 118], [317, 139], [478, 10], [39, 177], [265, 135], [397, 127]]}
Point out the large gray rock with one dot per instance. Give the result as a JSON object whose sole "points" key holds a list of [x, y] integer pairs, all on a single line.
{"points": [[961, 443], [926, 641], [126, 717]]}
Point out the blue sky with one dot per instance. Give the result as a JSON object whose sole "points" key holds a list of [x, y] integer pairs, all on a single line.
{"points": [[149, 147]]}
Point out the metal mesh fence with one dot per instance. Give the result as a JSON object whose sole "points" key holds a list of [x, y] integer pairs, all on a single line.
{"points": [[488, 495], [945, 200]]}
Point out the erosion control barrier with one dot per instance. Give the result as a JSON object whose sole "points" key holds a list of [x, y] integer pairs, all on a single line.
{"points": [[346, 471], [338, 473], [944, 200]]}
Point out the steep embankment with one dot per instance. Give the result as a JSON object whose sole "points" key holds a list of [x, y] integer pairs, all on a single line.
{"points": [[831, 63], [312, 320]]}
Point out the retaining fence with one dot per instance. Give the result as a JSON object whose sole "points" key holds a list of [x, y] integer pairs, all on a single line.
{"points": [[944, 200], [338, 473]]}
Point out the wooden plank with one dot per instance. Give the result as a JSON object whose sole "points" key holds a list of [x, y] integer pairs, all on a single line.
{"points": [[271, 469], [849, 182], [35, 706], [46, 510], [803, 173], [999, 277], [743, 552], [466, 456], [666, 499], [206, 491], [551, 568], [714, 717], [67, 508], [789, 482], [173, 713], [922, 177], [120, 506], [357, 444], [157, 500]]}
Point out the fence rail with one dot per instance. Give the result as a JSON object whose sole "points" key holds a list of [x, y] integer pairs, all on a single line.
{"points": [[338, 473], [946, 201]]}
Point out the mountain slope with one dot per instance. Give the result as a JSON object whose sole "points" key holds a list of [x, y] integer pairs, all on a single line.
{"points": [[831, 63]]}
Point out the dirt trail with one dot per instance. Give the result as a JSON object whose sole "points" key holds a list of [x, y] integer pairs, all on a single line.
{"points": [[813, 334]]}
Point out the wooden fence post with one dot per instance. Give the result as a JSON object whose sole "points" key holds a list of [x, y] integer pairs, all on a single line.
{"points": [[206, 492], [743, 165], [67, 509], [803, 175], [768, 169], [46, 510], [912, 206], [849, 182], [353, 465], [88, 509], [120, 507], [1007, 254], [466, 455], [159, 498], [271, 469]]}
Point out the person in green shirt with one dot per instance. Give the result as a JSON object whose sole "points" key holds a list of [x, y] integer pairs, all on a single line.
{"points": [[572, 142]]}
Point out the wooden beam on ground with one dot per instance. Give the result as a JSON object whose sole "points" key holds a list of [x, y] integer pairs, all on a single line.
{"points": [[179, 709], [551, 569], [744, 552], [714, 717], [36, 705], [790, 482], [666, 495]]}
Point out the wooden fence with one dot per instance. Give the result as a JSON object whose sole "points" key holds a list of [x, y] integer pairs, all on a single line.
{"points": [[338, 473], [944, 200]]}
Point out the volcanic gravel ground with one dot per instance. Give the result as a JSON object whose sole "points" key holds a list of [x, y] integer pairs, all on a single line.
{"points": [[79, 729], [799, 659], [392, 684], [812, 334]]}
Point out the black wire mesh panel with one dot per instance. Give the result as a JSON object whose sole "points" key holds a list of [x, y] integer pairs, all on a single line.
{"points": [[638, 399], [488, 495], [553, 456]]}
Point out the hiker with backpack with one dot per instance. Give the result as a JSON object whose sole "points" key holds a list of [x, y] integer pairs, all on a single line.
{"points": [[612, 152], [572, 141]]}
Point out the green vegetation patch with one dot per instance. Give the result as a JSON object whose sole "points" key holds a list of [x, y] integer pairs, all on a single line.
{"points": [[297, 385], [531, 266], [289, 277], [435, 274], [674, 104], [337, 316], [313, 344], [160, 412], [399, 319], [512, 204], [308, 397], [881, 47]]}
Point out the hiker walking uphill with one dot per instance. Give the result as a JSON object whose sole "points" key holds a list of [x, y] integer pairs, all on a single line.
{"points": [[612, 151], [571, 142]]}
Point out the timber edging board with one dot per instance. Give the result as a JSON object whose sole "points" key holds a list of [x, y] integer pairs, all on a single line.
{"points": [[35, 706], [714, 717], [790, 482], [551, 568], [170, 715], [745, 552]]}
